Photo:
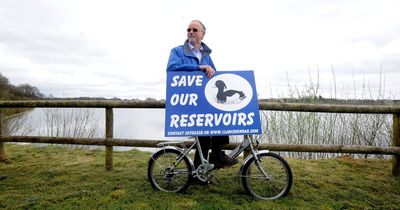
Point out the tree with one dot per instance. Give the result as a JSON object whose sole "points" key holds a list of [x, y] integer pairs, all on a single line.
{"points": [[11, 92], [3, 80], [4, 87], [30, 91]]}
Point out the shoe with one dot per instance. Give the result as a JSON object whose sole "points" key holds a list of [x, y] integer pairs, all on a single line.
{"points": [[222, 160], [196, 181]]}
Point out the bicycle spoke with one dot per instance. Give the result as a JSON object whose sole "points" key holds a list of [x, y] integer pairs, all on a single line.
{"points": [[166, 174], [268, 178]]}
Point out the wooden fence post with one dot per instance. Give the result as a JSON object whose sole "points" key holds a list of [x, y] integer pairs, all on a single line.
{"points": [[396, 143], [109, 135], [2, 152]]}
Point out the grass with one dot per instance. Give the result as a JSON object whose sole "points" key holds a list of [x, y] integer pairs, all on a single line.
{"points": [[63, 178]]}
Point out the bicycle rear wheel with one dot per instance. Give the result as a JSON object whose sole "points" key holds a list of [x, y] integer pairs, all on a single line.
{"points": [[166, 173], [267, 179]]}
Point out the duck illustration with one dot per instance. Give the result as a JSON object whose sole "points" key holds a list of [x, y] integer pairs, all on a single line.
{"points": [[223, 94]]}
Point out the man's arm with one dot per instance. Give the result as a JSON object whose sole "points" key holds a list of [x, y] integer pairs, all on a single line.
{"points": [[175, 63], [208, 70]]}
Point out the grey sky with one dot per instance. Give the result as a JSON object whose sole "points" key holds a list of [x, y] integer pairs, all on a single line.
{"points": [[120, 48]]}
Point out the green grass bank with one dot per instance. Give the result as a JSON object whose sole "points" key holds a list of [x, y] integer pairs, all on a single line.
{"points": [[57, 177]]}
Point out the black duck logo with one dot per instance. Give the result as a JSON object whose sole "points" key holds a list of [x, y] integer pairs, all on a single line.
{"points": [[228, 92], [223, 94]]}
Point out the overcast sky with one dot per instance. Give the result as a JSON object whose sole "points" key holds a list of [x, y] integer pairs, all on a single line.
{"points": [[71, 48]]}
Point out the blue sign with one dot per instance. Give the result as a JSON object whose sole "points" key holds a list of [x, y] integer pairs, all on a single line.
{"points": [[225, 104]]}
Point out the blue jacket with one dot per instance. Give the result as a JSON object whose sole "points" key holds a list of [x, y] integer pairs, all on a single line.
{"points": [[183, 59]]}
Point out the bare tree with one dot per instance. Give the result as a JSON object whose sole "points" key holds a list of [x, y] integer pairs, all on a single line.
{"points": [[79, 123]]}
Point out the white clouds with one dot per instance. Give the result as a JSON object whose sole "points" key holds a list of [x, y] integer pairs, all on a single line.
{"points": [[120, 48]]}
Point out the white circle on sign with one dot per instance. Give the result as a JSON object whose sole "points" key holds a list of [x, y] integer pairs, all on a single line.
{"points": [[228, 92]]}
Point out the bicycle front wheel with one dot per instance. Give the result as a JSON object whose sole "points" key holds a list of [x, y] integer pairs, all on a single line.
{"points": [[168, 171], [268, 178]]}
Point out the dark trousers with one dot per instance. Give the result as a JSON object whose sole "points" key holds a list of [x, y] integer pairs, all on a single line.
{"points": [[206, 142]]}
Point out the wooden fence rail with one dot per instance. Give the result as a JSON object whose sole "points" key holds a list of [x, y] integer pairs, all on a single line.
{"points": [[109, 141]]}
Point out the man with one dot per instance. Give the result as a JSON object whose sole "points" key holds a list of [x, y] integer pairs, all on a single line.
{"points": [[194, 55]]}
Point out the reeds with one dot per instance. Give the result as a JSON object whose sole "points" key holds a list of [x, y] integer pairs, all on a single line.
{"points": [[327, 128]]}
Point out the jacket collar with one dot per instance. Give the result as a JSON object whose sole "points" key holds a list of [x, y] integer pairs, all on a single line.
{"points": [[188, 51]]}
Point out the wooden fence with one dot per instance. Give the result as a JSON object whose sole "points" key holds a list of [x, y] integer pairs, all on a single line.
{"points": [[109, 141]]}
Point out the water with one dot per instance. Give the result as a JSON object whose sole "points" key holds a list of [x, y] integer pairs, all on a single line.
{"points": [[278, 127], [90, 123]]}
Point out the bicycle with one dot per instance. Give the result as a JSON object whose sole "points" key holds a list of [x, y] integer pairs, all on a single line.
{"points": [[264, 175]]}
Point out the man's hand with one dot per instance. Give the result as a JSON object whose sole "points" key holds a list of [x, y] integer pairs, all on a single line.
{"points": [[208, 70]]}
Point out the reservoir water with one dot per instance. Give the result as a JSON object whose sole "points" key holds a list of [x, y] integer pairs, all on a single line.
{"points": [[80, 122], [278, 127]]}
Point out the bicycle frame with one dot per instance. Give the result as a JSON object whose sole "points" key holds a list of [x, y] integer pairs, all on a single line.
{"points": [[246, 143], [257, 169]]}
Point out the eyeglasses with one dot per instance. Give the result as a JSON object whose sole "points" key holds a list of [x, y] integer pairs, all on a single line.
{"points": [[192, 29]]}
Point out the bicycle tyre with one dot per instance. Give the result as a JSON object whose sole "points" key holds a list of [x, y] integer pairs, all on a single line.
{"points": [[164, 176], [276, 185]]}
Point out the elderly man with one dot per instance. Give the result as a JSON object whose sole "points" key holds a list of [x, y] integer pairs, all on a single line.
{"points": [[194, 55]]}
